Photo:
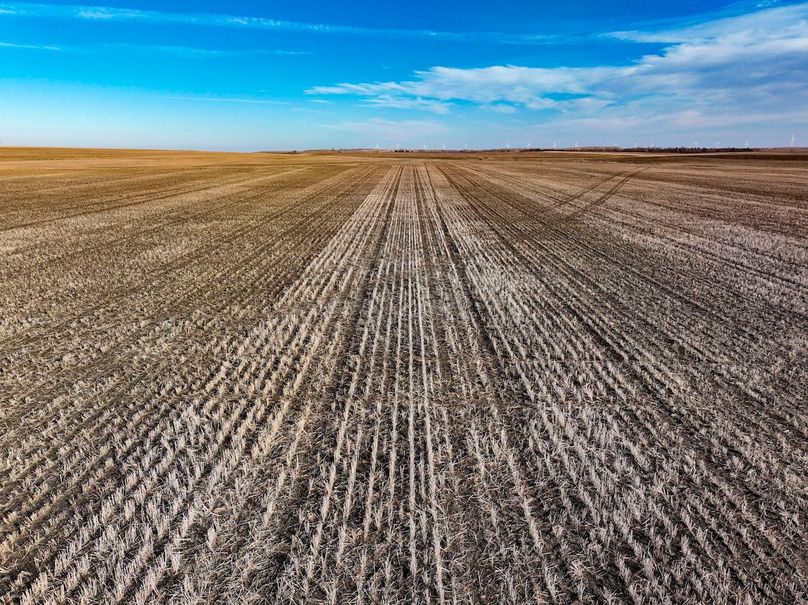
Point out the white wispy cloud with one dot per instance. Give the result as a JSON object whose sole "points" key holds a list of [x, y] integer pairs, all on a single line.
{"points": [[769, 17], [191, 51], [396, 102], [47, 47], [109, 14], [157, 49], [751, 65]]}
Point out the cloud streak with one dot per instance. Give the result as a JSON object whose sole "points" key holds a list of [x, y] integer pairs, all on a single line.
{"points": [[111, 14], [157, 49], [191, 51], [46, 47]]}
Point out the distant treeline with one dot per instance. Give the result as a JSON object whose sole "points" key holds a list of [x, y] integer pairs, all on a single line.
{"points": [[591, 149], [686, 149]]}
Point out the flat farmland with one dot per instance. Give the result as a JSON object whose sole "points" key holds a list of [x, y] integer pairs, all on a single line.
{"points": [[399, 378]]}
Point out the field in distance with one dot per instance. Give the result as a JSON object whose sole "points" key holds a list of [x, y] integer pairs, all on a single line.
{"points": [[392, 378]]}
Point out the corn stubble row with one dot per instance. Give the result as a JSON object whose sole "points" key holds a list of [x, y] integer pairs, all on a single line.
{"points": [[353, 379]]}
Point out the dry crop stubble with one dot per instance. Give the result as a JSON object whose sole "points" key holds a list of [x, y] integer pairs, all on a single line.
{"points": [[455, 378]]}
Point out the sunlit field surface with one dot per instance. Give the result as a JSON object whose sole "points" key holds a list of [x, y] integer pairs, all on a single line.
{"points": [[400, 378]]}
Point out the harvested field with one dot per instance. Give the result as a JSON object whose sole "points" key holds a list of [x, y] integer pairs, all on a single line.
{"points": [[503, 378]]}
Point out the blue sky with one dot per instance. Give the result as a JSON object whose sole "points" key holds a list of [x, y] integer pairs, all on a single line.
{"points": [[317, 74]]}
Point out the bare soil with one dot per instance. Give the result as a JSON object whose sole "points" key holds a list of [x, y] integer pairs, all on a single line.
{"points": [[437, 378]]}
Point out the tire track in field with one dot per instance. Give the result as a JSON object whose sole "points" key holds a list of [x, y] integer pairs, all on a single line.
{"points": [[596, 252], [506, 203], [535, 187], [505, 239], [602, 199], [676, 415], [581, 239], [583, 242]]}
